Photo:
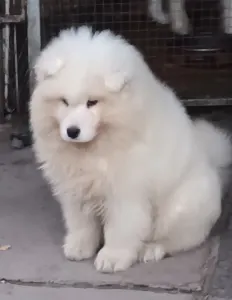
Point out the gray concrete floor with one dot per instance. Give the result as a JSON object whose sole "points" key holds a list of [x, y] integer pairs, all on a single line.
{"points": [[222, 280], [35, 268]]}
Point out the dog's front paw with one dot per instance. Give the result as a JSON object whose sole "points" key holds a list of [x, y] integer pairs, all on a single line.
{"points": [[112, 260], [80, 246], [152, 252]]}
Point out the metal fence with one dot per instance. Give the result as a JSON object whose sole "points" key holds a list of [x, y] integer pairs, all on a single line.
{"points": [[18, 47], [187, 43], [14, 67]]}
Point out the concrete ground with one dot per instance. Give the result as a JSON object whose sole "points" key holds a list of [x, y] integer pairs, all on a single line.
{"points": [[35, 268]]}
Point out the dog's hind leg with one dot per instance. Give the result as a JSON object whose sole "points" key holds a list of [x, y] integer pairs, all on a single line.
{"points": [[186, 219]]}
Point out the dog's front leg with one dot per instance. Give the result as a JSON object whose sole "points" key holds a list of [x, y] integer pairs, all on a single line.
{"points": [[179, 17], [227, 15], [83, 230], [156, 11], [127, 224]]}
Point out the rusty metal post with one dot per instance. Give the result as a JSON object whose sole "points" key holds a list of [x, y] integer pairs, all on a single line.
{"points": [[2, 101], [21, 137]]}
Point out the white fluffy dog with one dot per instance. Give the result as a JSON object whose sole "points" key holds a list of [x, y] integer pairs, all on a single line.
{"points": [[121, 154]]}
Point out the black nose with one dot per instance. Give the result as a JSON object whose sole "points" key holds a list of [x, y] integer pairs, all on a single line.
{"points": [[73, 132]]}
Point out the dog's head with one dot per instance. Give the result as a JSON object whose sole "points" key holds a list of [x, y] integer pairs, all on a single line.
{"points": [[86, 83]]}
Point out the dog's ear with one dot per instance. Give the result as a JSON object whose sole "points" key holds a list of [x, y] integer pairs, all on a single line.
{"points": [[116, 81], [45, 68]]}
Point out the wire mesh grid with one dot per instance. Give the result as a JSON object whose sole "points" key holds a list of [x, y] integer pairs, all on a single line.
{"points": [[187, 43]]}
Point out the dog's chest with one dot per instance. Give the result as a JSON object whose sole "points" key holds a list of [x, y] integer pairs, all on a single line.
{"points": [[102, 165], [94, 178]]}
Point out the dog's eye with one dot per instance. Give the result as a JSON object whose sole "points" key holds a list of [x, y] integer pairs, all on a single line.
{"points": [[64, 101], [91, 103]]}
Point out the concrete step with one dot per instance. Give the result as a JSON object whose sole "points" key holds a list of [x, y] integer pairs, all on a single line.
{"points": [[14, 292]]}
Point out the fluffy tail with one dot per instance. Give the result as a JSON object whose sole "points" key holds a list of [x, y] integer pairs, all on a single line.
{"points": [[216, 143]]}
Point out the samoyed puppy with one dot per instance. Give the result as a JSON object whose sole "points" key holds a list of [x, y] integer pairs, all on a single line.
{"points": [[128, 166]]}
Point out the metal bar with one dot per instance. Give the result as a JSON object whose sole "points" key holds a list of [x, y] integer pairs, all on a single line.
{"points": [[6, 53], [208, 102], [7, 18], [16, 66], [34, 35], [2, 102], [12, 19]]}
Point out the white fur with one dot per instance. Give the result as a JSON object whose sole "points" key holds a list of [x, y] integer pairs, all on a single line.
{"points": [[148, 178], [178, 17]]}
